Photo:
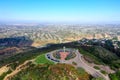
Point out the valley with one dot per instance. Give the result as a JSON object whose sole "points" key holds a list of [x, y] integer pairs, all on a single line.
{"points": [[100, 50]]}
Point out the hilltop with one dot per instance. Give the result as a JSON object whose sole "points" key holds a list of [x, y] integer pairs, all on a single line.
{"points": [[46, 72], [93, 52]]}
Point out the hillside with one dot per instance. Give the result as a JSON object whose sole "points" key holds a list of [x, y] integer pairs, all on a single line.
{"points": [[14, 45], [95, 53], [46, 72], [43, 34]]}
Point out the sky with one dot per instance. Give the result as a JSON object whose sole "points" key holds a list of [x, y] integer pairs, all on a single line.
{"points": [[75, 11]]}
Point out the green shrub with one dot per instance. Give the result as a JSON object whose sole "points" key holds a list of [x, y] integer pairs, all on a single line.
{"points": [[115, 76], [96, 67], [104, 72], [99, 78], [74, 63], [4, 74]]}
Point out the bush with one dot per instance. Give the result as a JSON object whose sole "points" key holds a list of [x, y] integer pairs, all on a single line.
{"points": [[4, 74], [74, 63], [96, 67], [99, 78], [115, 76], [104, 72]]}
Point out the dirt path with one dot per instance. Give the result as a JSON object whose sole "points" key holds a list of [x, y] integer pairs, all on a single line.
{"points": [[4, 69], [77, 59], [18, 69]]}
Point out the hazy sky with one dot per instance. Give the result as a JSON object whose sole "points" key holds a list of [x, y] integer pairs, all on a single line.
{"points": [[60, 11]]}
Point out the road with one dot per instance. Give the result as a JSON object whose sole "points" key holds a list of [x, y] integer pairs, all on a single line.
{"points": [[90, 70], [81, 63]]}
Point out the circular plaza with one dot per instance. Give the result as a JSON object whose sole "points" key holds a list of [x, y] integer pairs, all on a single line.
{"points": [[61, 55]]}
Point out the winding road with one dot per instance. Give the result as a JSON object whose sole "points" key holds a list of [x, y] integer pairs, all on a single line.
{"points": [[81, 63], [90, 70], [77, 59]]}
